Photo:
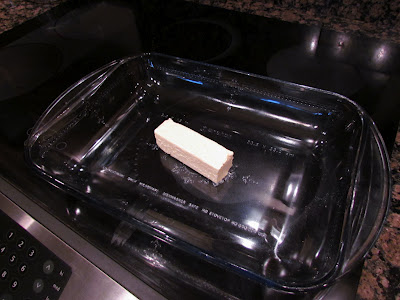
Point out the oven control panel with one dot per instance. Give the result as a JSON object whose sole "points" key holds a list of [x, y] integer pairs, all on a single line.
{"points": [[28, 269], [36, 263]]}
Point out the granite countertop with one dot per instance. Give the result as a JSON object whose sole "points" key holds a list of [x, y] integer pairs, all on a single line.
{"points": [[381, 273], [375, 18], [16, 12]]}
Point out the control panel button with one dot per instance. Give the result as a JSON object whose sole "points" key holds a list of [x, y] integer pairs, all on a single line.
{"points": [[28, 269], [38, 286], [14, 284], [3, 249], [23, 268], [4, 274], [10, 235], [32, 252], [48, 267], [21, 244], [12, 259]]}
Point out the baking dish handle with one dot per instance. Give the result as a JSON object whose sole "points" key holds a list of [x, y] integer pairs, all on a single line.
{"points": [[67, 102], [371, 197]]}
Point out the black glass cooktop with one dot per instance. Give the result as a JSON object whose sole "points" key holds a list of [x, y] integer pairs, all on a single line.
{"points": [[43, 57]]}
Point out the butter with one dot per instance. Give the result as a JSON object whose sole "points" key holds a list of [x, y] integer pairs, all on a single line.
{"points": [[198, 152]]}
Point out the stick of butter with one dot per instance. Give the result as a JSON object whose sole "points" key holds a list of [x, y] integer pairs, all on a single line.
{"points": [[201, 154]]}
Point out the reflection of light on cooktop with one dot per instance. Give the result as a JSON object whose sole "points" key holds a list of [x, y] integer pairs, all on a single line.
{"points": [[25, 67], [203, 40], [294, 65]]}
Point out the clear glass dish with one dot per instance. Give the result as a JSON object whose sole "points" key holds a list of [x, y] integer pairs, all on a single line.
{"points": [[303, 203]]}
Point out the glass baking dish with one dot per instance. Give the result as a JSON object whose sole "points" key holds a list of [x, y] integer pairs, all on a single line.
{"points": [[303, 203]]}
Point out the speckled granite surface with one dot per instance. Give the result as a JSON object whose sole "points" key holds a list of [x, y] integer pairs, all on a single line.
{"points": [[15, 12], [377, 18], [381, 274]]}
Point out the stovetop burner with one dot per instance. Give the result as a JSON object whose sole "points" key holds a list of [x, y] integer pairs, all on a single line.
{"points": [[296, 65], [205, 40], [101, 23], [25, 67]]}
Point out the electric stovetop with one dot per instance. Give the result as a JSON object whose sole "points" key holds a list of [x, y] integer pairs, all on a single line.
{"points": [[43, 57]]}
